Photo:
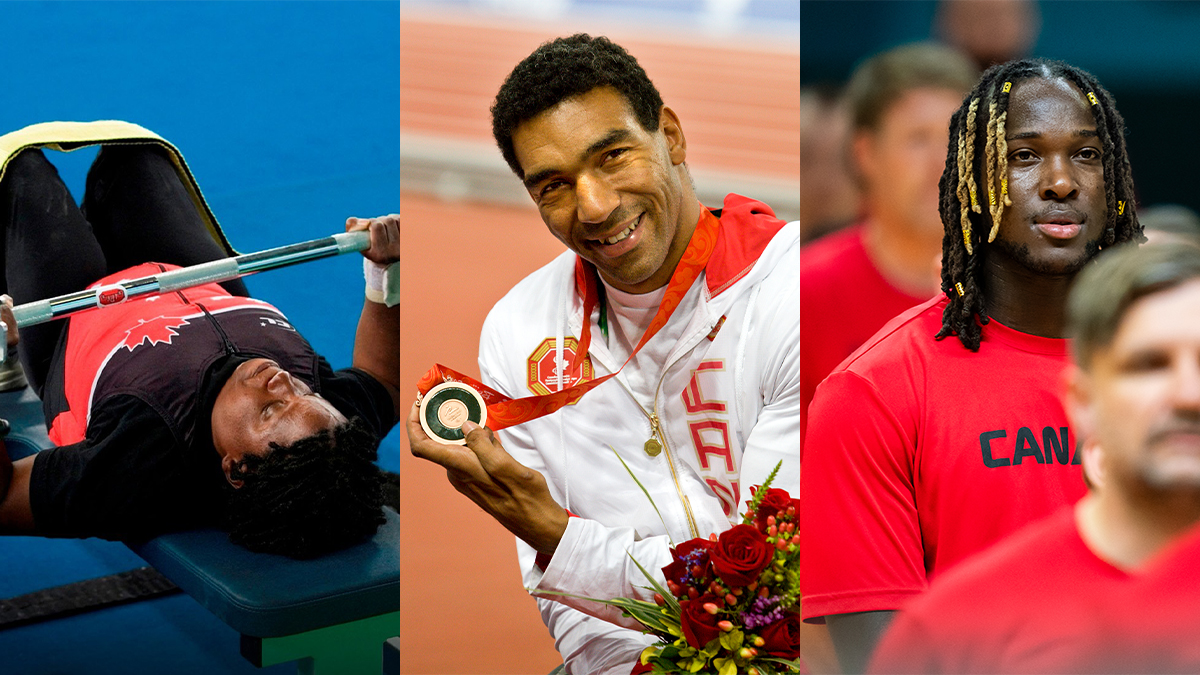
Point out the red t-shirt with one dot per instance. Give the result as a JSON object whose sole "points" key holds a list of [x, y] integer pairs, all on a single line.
{"points": [[843, 301], [921, 452], [1151, 626], [1026, 605]]}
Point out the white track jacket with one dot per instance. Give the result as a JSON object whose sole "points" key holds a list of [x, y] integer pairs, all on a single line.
{"points": [[728, 400]]}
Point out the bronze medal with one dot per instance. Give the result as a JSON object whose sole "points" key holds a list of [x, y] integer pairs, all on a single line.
{"points": [[445, 407]]}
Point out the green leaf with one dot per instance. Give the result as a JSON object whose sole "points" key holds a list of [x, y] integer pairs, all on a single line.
{"points": [[732, 640], [667, 596], [758, 495], [794, 664], [726, 666], [644, 657], [646, 613], [647, 493]]}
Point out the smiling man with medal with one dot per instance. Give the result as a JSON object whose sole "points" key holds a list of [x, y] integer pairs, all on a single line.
{"points": [[694, 312]]}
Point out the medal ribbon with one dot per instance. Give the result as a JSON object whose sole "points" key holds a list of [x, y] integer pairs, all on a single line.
{"points": [[506, 412]]}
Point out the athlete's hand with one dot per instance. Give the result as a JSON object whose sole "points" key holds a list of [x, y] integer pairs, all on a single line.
{"points": [[385, 237], [10, 323], [515, 495]]}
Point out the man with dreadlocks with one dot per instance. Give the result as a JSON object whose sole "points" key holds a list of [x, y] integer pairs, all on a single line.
{"points": [[944, 432], [198, 407]]}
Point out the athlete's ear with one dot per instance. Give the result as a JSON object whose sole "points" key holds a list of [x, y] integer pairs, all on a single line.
{"points": [[1092, 459], [1080, 404], [668, 122], [228, 462], [862, 156], [1079, 401]]}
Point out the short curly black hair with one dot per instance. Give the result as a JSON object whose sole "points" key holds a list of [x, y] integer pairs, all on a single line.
{"points": [[317, 495], [566, 67]]}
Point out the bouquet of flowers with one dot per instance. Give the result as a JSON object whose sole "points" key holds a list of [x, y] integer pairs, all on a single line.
{"points": [[731, 601]]}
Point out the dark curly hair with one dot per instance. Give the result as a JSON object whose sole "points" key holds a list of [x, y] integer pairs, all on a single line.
{"points": [[317, 495], [978, 152], [563, 68]]}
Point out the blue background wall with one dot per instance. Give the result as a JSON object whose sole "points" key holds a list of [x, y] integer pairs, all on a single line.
{"points": [[287, 113], [1144, 52]]}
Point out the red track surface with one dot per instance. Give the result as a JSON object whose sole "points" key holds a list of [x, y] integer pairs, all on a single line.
{"points": [[739, 109], [462, 605]]}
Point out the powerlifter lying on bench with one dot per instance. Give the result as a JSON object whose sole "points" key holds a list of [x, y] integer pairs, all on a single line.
{"points": [[194, 410], [200, 407]]}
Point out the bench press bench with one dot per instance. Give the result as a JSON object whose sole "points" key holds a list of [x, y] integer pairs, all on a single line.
{"points": [[332, 614]]}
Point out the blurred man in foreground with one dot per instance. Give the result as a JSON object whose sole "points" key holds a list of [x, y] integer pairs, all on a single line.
{"points": [[1134, 399]]}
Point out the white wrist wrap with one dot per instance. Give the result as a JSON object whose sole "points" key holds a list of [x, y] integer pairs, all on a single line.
{"points": [[383, 282]]}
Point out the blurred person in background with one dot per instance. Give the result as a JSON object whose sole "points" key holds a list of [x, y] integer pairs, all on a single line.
{"points": [[989, 31], [1133, 396], [828, 194], [851, 282]]}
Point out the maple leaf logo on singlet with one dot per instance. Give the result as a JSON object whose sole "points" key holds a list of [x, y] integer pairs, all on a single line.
{"points": [[154, 331]]}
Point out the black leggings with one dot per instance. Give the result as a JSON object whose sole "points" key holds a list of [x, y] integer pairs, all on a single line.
{"points": [[135, 210]]}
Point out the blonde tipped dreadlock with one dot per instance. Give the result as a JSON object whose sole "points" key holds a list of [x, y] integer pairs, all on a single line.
{"points": [[966, 176], [1002, 172], [972, 112], [990, 160], [972, 139], [964, 219]]}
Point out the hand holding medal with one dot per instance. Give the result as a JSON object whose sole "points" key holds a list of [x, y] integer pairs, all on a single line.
{"points": [[447, 397], [444, 409], [444, 419], [479, 467]]}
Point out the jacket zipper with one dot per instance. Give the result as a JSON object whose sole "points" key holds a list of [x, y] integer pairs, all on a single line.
{"points": [[656, 430]]}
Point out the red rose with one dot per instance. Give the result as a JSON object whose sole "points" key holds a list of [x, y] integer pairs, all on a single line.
{"points": [[775, 502], [699, 627], [741, 554], [638, 668], [781, 638], [689, 555]]}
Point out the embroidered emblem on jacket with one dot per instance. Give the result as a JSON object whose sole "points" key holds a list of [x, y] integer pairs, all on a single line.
{"points": [[546, 372]]}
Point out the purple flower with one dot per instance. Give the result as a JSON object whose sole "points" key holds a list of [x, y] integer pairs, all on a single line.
{"points": [[761, 612]]}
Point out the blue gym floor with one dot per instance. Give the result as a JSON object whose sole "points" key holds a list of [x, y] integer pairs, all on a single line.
{"points": [[287, 113]]}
